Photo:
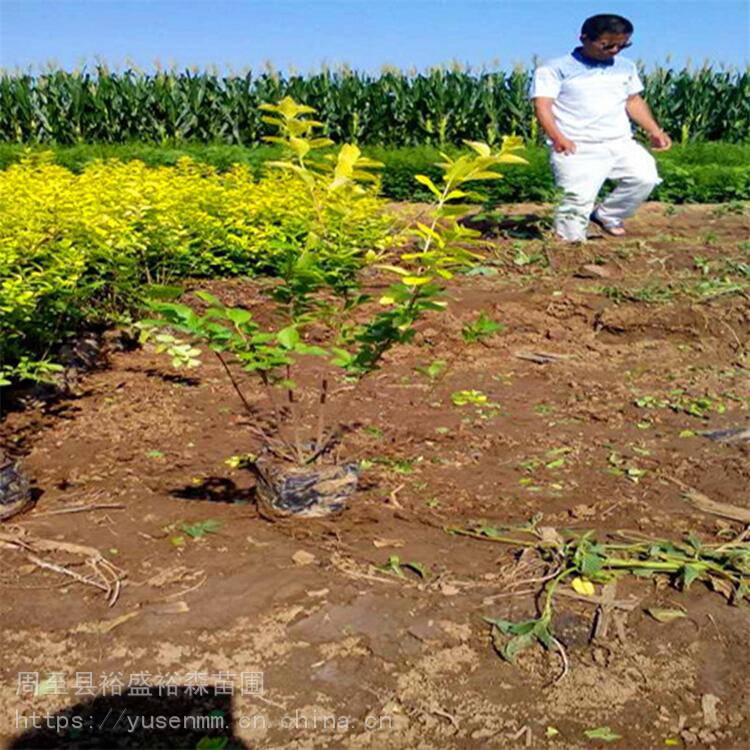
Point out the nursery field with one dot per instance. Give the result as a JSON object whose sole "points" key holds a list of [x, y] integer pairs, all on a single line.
{"points": [[613, 397]]}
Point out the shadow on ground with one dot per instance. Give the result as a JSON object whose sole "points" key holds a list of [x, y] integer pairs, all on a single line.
{"points": [[184, 717]]}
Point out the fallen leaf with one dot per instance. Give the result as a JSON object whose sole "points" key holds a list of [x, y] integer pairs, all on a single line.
{"points": [[665, 615], [582, 586]]}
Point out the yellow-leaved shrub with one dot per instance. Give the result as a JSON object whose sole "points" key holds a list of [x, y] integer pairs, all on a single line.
{"points": [[75, 246]]}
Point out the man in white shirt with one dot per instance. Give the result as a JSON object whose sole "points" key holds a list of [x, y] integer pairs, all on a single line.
{"points": [[584, 102]]}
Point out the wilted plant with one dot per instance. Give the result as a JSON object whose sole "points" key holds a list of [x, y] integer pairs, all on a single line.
{"points": [[583, 561]]}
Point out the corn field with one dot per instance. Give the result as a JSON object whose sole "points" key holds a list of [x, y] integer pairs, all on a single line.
{"points": [[393, 108]]}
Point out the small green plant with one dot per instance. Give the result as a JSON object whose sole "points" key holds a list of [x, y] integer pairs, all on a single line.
{"points": [[201, 528], [396, 566], [433, 370], [602, 733], [474, 397], [735, 207], [40, 370], [653, 293], [678, 400], [480, 329]]}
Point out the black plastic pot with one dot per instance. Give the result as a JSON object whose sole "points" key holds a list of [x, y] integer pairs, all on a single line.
{"points": [[285, 489], [15, 494]]}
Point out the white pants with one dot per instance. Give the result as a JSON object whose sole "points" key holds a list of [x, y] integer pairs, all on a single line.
{"points": [[582, 174]]}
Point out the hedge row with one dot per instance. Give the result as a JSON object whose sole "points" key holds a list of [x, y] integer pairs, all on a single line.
{"points": [[695, 173], [77, 248]]}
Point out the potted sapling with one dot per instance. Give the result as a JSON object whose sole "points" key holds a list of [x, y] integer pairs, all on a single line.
{"points": [[318, 308]]}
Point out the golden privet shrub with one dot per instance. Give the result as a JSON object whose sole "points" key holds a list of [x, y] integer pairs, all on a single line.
{"points": [[80, 246]]}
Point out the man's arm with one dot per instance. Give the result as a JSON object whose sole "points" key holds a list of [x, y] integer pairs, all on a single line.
{"points": [[640, 113], [543, 110]]}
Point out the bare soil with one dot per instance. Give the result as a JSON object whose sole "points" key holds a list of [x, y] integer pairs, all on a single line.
{"points": [[355, 657]]}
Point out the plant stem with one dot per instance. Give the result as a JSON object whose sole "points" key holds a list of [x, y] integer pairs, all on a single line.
{"points": [[294, 414], [260, 432], [321, 414]]}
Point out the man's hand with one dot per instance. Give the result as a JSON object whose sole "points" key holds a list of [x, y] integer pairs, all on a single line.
{"points": [[543, 112], [563, 145], [660, 141]]}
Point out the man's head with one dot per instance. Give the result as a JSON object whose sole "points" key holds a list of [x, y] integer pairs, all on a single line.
{"points": [[605, 35]]}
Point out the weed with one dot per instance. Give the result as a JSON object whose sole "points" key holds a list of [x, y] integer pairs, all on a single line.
{"points": [[480, 329], [680, 401], [396, 566], [735, 207], [462, 398], [197, 530], [655, 293], [544, 409], [433, 370], [397, 465]]}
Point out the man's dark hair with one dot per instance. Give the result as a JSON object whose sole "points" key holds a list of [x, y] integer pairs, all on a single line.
{"points": [[605, 23]]}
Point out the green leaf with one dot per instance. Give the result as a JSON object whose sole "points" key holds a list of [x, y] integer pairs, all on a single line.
{"points": [[423, 179], [209, 298], [237, 315], [288, 337], [481, 148], [690, 573], [162, 291], [515, 646], [602, 733], [197, 530], [316, 351], [591, 564]]}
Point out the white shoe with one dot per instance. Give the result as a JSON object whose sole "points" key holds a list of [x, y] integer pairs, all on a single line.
{"points": [[614, 228]]}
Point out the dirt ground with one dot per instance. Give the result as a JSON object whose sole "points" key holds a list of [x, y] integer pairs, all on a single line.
{"points": [[324, 649]]}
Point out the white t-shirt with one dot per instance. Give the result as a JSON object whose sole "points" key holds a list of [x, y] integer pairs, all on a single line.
{"points": [[589, 96]]}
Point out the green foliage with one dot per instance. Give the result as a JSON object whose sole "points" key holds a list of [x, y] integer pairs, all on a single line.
{"points": [[582, 560], [474, 397], [693, 173], [682, 402], [77, 249], [480, 329], [438, 106], [521, 635], [434, 370], [602, 733], [201, 528]]}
